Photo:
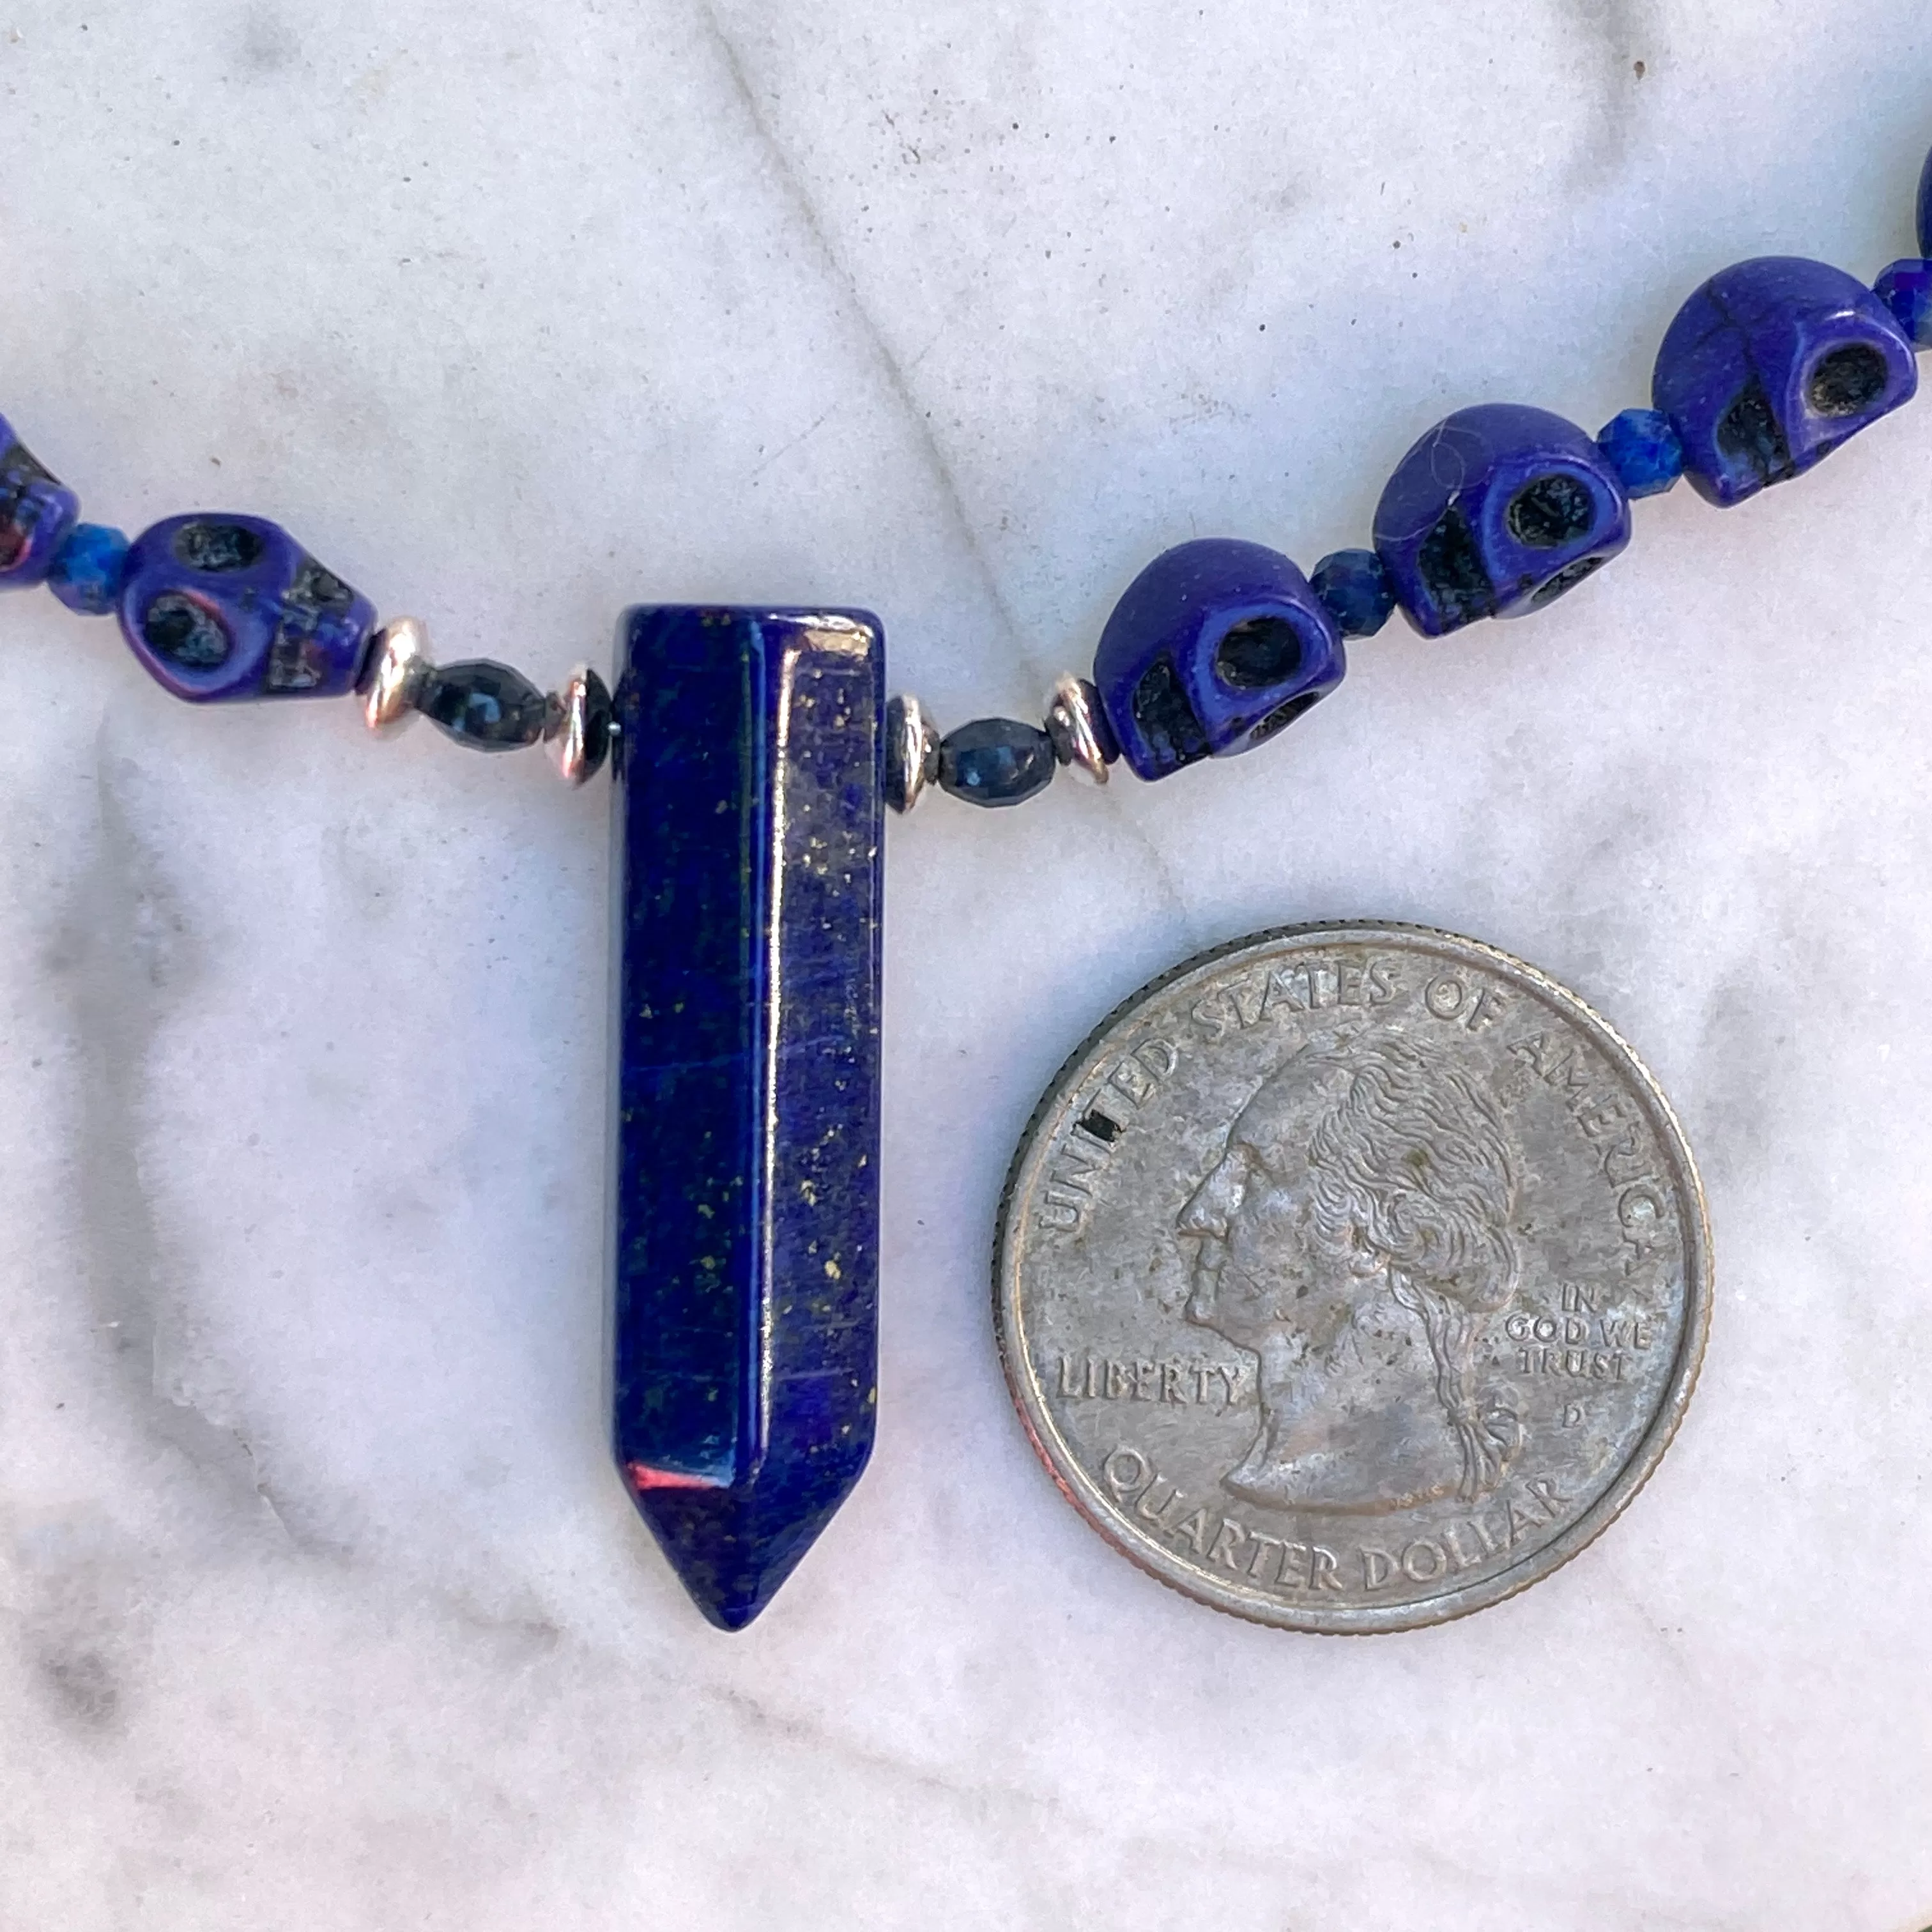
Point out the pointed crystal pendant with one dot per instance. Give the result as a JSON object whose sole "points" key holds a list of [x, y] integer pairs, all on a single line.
{"points": [[747, 821]]}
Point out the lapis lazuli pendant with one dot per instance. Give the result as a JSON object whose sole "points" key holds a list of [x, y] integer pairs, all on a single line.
{"points": [[748, 823]]}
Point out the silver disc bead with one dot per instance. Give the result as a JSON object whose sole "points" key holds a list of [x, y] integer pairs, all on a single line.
{"points": [[394, 675], [912, 752], [577, 731], [1079, 728]]}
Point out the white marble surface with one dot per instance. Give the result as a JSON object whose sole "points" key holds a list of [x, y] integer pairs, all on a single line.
{"points": [[319, 1606]]}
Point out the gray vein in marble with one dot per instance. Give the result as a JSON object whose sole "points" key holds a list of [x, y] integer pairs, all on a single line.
{"points": [[269, 42], [126, 957], [1614, 33], [82, 1620], [897, 375], [1006, 1807]]}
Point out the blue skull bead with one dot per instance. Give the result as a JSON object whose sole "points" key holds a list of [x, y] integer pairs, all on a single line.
{"points": [[220, 607], [1216, 646], [1771, 365], [36, 512], [1497, 511]]}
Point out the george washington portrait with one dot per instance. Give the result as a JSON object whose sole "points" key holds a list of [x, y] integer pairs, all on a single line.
{"points": [[1354, 1237]]}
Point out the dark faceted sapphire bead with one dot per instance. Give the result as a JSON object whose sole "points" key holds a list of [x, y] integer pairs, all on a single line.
{"points": [[484, 705], [1497, 511], [1356, 590], [1216, 646], [1906, 288], [996, 761], [1771, 365], [36, 511], [89, 569], [1925, 209], [749, 823], [224, 607], [1644, 450]]}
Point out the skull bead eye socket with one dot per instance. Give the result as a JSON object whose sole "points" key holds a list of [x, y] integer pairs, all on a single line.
{"points": [[1847, 381], [186, 633], [216, 548], [1262, 652], [1549, 512]]}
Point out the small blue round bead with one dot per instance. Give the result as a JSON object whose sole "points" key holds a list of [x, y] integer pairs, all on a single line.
{"points": [[1357, 588], [1925, 209], [1645, 450], [89, 569], [1906, 288]]}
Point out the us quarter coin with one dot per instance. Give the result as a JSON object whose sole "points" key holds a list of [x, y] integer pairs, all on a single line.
{"points": [[1351, 1278]]}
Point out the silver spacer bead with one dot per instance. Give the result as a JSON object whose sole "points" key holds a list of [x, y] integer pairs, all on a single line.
{"points": [[576, 733], [1073, 722], [912, 752], [394, 675]]}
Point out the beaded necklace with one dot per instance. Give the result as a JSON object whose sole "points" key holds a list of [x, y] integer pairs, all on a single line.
{"points": [[755, 752]]}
